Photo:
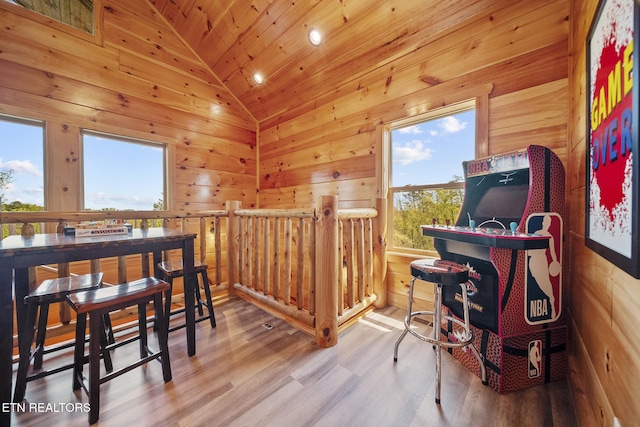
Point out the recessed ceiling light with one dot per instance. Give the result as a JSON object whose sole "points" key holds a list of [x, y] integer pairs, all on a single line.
{"points": [[315, 37], [257, 77]]}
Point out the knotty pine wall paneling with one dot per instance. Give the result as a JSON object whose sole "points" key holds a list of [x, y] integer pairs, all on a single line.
{"points": [[138, 79], [604, 301]]}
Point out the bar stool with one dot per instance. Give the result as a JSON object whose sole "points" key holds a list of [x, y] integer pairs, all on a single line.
{"points": [[99, 302], [37, 306], [441, 273], [174, 269]]}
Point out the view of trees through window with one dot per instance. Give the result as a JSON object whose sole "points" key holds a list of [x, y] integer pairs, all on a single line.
{"points": [[426, 174], [21, 166]]}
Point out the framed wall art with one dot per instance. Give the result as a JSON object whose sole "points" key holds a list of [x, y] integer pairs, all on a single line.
{"points": [[612, 185]]}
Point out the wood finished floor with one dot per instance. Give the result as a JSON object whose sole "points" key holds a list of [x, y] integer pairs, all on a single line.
{"points": [[247, 375]]}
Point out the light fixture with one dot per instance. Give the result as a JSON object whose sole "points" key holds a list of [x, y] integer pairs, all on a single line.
{"points": [[315, 37], [257, 77]]}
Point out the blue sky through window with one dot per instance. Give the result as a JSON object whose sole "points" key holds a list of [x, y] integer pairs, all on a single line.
{"points": [[118, 174], [122, 175], [432, 152], [22, 151]]}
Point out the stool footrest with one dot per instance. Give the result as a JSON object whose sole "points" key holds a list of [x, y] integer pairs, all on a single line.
{"points": [[125, 369], [432, 340]]}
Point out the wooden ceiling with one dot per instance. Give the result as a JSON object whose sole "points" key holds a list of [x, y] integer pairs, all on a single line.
{"points": [[237, 38]]}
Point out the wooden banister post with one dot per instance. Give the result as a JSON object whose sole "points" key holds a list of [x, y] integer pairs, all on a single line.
{"points": [[233, 244], [327, 272], [380, 253]]}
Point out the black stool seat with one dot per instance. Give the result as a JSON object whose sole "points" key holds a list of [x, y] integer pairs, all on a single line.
{"points": [[98, 302], [441, 273], [37, 306], [56, 290], [174, 269]]}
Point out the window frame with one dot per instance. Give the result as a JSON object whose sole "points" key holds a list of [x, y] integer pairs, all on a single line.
{"points": [[128, 140], [42, 125], [95, 37], [480, 105]]}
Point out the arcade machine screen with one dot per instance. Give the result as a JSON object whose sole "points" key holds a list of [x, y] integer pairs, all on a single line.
{"points": [[495, 200]]}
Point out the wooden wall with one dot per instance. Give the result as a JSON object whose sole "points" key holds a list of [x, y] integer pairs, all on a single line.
{"points": [[514, 52], [524, 60], [604, 300], [136, 78]]}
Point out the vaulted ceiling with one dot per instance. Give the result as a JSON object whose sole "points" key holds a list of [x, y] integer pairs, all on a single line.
{"points": [[237, 38]]}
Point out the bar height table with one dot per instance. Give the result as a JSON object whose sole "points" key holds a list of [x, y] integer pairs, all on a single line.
{"points": [[18, 253]]}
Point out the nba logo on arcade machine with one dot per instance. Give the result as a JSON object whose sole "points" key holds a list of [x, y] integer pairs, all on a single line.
{"points": [[535, 358], [543, 278]]}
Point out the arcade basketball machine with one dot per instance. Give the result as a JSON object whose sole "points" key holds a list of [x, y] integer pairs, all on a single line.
{"points": [[509, 233]]}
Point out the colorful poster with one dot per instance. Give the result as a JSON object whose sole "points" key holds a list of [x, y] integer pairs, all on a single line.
{"points": [[611, 168]]}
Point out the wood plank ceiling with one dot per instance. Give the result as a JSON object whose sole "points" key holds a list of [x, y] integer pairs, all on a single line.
{"points": [[237, 38]]}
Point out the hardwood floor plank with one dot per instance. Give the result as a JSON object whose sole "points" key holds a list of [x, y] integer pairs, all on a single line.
{"points": [[247, 375]]}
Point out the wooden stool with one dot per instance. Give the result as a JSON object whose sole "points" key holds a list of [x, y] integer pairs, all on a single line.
{"points": [[174, 269], [102, 301], [49, 292], [441, 273]]}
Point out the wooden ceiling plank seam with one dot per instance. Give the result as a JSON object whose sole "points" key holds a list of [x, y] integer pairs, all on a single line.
{"points": [[238, 17], [155, 54], [193, 66], [187, 46], [216, 21], [147, 30], [185, 76], [173, 11], [266, 31], [190, 27]]}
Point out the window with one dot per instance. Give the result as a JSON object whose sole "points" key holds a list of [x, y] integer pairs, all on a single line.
{"points": [[123, 174], [21, 164], [75, 13], [427, 179]]}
